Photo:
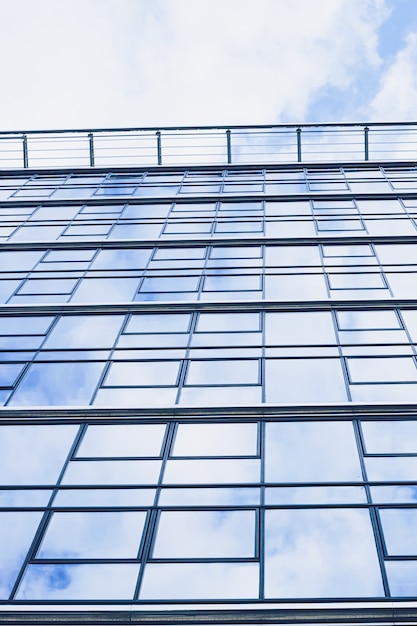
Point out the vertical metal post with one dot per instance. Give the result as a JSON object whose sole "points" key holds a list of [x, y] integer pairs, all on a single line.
{"points": [[25, 151], [366, 132], [299, 145], [229, 146], [159, 146], [91, 142]]}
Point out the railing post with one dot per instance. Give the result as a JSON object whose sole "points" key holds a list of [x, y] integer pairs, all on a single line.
{"points": [[25, 151], [366, 137], [299, 156], [229, 146], [91, 143], [159, 146]]}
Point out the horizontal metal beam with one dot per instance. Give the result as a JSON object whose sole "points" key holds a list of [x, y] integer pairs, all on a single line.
{"points": [[208, 167], [136, 129], [295, 616]]}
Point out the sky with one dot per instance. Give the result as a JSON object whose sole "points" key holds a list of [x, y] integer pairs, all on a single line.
{"points": [[137, 63]]}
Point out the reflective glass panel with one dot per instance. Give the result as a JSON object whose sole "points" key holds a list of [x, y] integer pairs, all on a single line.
{"points": [[122, 440], [200, 581], [215, 440], [203, 534], [93, 535], [79, 582], [311, 451], [314, 553]]}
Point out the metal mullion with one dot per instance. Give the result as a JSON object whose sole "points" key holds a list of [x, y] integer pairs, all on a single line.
{"points": [[150, 528], [186, 360], [109, 361], [202, 560], [84, 561], [324, 272], [261, 518], [382, 271], [391, 454], [342, 359], [376, 528]]}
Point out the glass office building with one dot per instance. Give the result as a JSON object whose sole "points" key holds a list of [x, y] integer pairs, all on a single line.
{"points": [[208, 381]]}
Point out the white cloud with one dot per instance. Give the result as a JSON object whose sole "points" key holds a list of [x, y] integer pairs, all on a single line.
{"points": [[80, 63], [396, 98]]}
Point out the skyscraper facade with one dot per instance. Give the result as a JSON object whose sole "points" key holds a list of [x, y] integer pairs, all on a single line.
{"points": [[209, 381]]}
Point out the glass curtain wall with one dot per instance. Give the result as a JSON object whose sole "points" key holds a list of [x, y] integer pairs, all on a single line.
{"points": [[209, 380]]}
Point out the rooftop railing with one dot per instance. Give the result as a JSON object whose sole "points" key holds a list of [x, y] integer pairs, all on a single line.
{"points": [[208, 145]]}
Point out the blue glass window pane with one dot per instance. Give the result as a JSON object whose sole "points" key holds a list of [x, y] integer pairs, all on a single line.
{"points": [[219, 372], [314, 553], [54, 384], [135, 231], [379, 369], [218, 322], [205, 534], [140, 211], [221, 396], [396, 437], [121, 259], [232, 283], [20, 498], [399, 528], [391, 468], [305, 380], [170, 283], [37, 233], [54, 213], [311, 452], [292, 256], [70, 255], [112, 473], [404, 494], [402, 577], [211, 340], [95, 535], [106, 290], [90, 498], [212, 471], [48, 286], [295, 287], [163, 340], [215, 440], [142, 374], [362, 320], [135, 396], [299, 328], [122, 440], [232, 496], [179, 253], [236, 252], [79, 582], [315, 495], [88, 331], [356, 281], [154, 322], [200, 581], [25, 325]]}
